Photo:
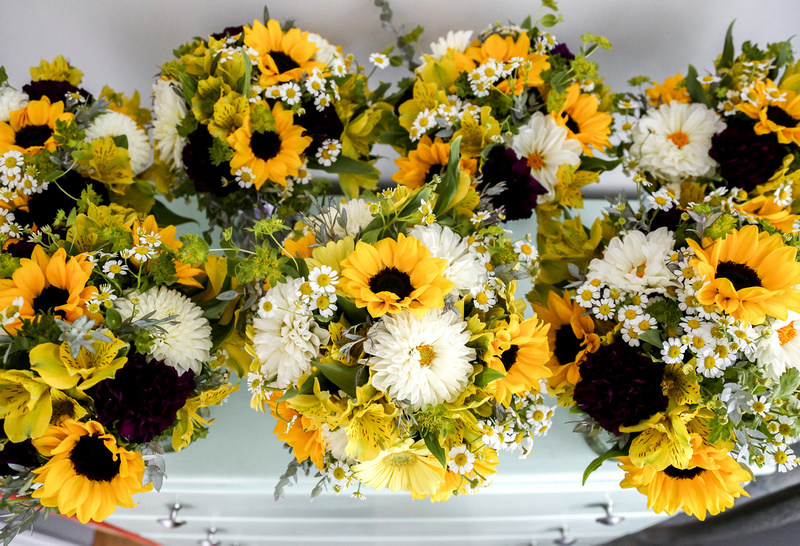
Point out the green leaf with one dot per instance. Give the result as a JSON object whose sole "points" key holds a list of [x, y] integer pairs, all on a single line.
{"points": [[343, 377], [307, 388], [449, 185], [52, 176], [3, 75], [113, 318], [220, 332], [597, 165], [602, 41], [594, 465], [120, 141], [248, 72], [164, 216], [636, 81], [527, 24], [653, 337], [547, 4], [436, 449], [788, 384], [188, 86], [726, 60], [488, 375], [346, 165], [550, 20], [354, 314], [695, 88]]}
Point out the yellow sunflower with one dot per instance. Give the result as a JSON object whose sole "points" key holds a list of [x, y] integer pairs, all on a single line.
{"points": [[520, 350], [390, 276], [502, 49], [428, 159], [31, 129], [49, 283], [88, 474], [571, 337], [583, 122], [406, 466], [750, 275], [765, 207], [709, 483], [270, 155], [282, 57], [780, 116]]}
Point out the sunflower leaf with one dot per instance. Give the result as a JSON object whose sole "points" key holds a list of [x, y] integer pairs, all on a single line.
{"points": [[695, 88], [436, 449], [487, 376], [449, 185], [342, 376], [165, 216], [594, 465], [726, 60]]}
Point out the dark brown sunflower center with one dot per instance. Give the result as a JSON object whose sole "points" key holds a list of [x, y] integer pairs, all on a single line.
{"points": [[434, 170], [91, 458], [33, 135], [781, 117], [509, 357], [392, 280], [284, 62], [50, 298], [265, 145], [567, 345], [572, 126], [683, 473], [740, 275]]}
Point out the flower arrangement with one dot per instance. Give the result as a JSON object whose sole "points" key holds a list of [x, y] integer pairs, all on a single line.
{"points": [[531, 115], [677, 333], [242, 117], [116, 336], [394, 352]]}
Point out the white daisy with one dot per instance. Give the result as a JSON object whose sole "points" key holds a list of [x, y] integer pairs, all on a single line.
{"points": [[545, 145], [457, 41], [426, 120], [328, 152], [464, 268], [11, 100], [672, 351], [759, 406], [526, 251], [326, 52], [482, 297], [461, 460], [323, 279], [112, 124], [323, 303], [11, 163], [340, 475], [673, 140], [169, 108], [11, 313], [290, 93], [604, 310], [637, 262], [779, 346], [113, 268], [244, 177], [785, 432], [184, 345], [379, 60], [783, 456], [423, 360], [708, 365], [289, 339]]}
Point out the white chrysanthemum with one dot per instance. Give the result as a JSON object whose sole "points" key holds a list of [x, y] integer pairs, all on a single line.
{"points": [[170, 109], [10, 100], [288, 338], [356, 213], [673, 140], [636, 262], [464, 268], [421, 360], [336, 442], [112, 124], [184, 345], [546, 146], [326, 52], [779, 347], [458, 41]]}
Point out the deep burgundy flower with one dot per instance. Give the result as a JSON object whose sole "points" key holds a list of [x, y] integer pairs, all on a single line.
{"points": [[666, 218], [206, 176], [521, 189], [620, 386], [319, 126], [228, 31], [745, 158], [21, 454], [142, 399], [563, 50], [53, 90]]}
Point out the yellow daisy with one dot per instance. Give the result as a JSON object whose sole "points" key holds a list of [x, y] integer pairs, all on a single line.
{"points": [[406, 466], [390, 276], [583, 122], [710, 483], [282, 57], [88, 474], [31, 129], [750, 275], [270, 155]]}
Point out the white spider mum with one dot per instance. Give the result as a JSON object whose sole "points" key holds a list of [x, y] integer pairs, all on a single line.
{"points": [[10, 100], [287, 339], [170, 109], [184, 345], [464, 268], [421, 360]]}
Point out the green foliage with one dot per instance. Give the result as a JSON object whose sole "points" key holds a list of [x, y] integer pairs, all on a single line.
{"points": [[449, 184], [264, 264], [163, 270], [636, 81], [267, 227], [719, 431], [487, 375], [595, 39], [666, 312], [165, 216], [187, 125], [194, 250], [261, 119], [550, 20], [790, 380], [3, 76], [551, 4], [120, 141], [143, 341], [344, 377], [695, 88], [220, 152], [436, 449], [595, 464], [726, 60], [8, 264]]}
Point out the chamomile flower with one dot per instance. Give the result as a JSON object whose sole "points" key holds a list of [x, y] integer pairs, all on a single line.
{"points": [[587, 295], [630, 335], [11, 163], [323, 279], [629, 312], [483, 298], [643, 323], [604, 310], [143, 252], [526, 251], [709, 365], [244, 177], [329, 152], [340, 475], [322, 101], [379, 60], [663, 199], [783, 456], [267, 306], [785, 430], [783, 195], [672, 351], [479, 217], [759, 406], [426, 120], [112, 268], [149, 238], [461, 460], [324, 303], [105, 296], [290, 93], [11, 313]]}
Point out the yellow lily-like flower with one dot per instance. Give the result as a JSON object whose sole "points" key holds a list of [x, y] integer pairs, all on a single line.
{"points": [[321, 407], [56, 365], [191, 414], [59, 70], [25, 404], [370, 423]]}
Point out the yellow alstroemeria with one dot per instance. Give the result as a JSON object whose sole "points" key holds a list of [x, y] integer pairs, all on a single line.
{"points": [[59, 70], [56, 365], [320, 407], [680, 384], [108, 163], [189, 416], [370, 423], [25, 404]]}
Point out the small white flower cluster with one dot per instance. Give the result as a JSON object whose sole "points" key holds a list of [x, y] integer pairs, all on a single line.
{"points": [[483, 79], [146, 249], [445, 115], [289, 92], [11, 313], [528, 416], [102, 299], [380, 60], [328, 152], [232, 51], [544, 43], [17, 182]]}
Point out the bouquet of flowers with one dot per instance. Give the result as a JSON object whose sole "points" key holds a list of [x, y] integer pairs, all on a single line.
{"points": [[531, 116], [116, 335], [57, 140], [678, 333], [242, 116], [394, 352]]}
